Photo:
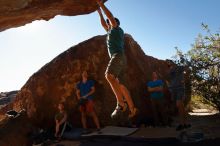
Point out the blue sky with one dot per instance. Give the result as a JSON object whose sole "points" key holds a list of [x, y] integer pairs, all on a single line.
{"points": [[157, 25]]}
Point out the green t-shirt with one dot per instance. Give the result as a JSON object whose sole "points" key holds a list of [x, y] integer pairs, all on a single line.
{"points": [[115, 41], [59, 116]]}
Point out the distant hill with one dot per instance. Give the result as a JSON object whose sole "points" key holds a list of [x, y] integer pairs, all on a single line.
{"points": [[7, 97]]}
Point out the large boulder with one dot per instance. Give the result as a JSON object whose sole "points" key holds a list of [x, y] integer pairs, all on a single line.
{"points": [[14, 13], [56, 82]]}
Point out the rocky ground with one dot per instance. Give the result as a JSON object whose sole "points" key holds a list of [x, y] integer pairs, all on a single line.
{"points": [[203, 120]]}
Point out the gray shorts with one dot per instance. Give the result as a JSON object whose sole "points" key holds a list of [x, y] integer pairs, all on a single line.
{"points": [[178, 94], [117, 66]]}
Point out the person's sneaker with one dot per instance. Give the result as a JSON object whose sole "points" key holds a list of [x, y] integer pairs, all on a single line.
{"points": [[186, 126], [180, 127], [133, 112], [99, 131], [86, 131], [57, 139], [118, 110]]}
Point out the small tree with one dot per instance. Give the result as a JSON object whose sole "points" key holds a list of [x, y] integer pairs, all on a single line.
{"points": [[203, 61]]}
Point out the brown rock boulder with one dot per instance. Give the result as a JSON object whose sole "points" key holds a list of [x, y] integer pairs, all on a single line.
{"points": [[56, 81], [14, 13]]}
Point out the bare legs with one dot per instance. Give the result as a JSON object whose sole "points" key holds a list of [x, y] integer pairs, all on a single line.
{"points": [[93, 115], [115, 88], [121, 91], [181, 111], [182, 116], [83, 119], [95, 119], [57, 128]]}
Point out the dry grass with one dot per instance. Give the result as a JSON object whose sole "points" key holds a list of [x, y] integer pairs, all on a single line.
{"points": [[197, 102]]}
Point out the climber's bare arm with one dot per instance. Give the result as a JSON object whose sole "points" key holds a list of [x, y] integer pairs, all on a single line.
{"points": [[108, 14], [103, 22]]}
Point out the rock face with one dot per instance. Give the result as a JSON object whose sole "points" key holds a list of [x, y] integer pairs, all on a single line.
{"points": [[14, 13], [56, 82]]}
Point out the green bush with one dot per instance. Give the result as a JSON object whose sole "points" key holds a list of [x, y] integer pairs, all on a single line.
{"points": [[203, 61]]}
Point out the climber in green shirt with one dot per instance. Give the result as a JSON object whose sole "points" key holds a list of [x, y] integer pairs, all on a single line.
{"points": [[117, 64]]}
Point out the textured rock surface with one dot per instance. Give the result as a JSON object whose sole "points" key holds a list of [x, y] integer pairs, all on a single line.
{"points": [[14, 132], [56, 81], [14, 13]]}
